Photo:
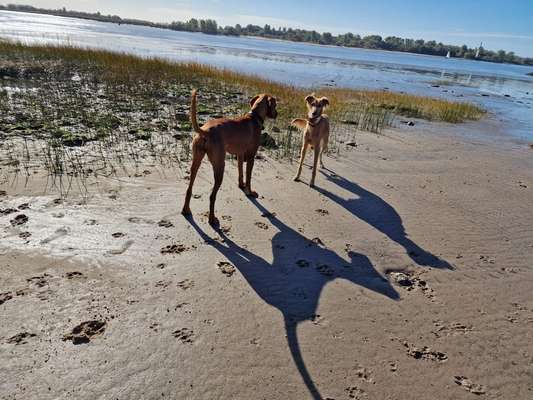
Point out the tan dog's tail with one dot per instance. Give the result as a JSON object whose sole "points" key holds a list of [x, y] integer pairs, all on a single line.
{"points": [[194, 122], [299, 123]]}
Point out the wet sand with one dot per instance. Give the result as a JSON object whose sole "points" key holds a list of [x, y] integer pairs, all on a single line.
{"points": [[405, 275]]}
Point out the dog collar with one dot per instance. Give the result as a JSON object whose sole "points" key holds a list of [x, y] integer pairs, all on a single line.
{"points": [[314, 121], [259, 120]]}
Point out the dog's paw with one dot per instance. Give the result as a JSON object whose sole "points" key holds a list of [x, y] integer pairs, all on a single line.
{"points": [[296, 179], [213, 221], [251, 193], [312, 184], [186, 211]]}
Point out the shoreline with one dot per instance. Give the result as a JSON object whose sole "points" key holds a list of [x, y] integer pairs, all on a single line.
{"points": [[151, 24]]}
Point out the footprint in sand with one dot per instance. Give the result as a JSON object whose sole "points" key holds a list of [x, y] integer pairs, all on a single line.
{"points": [[322, 212], [5, 297], [355, 393], [165, 224], [174, 249], [261, 225], [226, 268], [7, 211], [186, 284], [39, 281], [57, 234], [24, 235], [20, 338], [122, 249], [325, 269], [410, 282], [84, 332], [20, 219], [139, 220], [73, 275], [163, 284], [468, 385], [424, 353], [455, 328], [185, 335]]}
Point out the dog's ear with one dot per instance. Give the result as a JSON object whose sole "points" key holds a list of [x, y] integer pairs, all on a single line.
{"points": [[309, 99], [324, 101], [252, 101]]}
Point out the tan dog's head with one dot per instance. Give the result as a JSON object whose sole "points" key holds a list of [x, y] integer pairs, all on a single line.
{"points": [[315, 106], [264, 105]]}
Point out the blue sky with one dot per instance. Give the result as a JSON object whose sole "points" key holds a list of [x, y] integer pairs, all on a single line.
{"points": [[498, 24]]}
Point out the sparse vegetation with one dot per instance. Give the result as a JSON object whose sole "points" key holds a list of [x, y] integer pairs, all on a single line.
{"points": [[87, 113]]}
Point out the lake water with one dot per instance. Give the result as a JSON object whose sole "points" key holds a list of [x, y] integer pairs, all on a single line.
{"points": [[503, 89]]}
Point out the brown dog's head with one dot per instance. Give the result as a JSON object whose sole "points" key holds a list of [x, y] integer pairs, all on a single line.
{"points": [[315, 106], [264, 105]]}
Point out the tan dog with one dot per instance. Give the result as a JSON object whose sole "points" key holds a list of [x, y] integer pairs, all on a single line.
{"points": [[316, 132], [239, 137]]}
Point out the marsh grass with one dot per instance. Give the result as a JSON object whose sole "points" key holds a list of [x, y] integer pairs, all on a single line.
{"points": [[85, 113]]}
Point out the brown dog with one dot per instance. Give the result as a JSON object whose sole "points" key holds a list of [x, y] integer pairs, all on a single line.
{"points": [[316, 132], [239, 137]]}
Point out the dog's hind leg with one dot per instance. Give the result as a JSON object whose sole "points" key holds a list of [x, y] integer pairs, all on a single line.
{"points": [[315, 162], [240, 161], [302, 157], [249, 167], [218, 172], [197, 157]]}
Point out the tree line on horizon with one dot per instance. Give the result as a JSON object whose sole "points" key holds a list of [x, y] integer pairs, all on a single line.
{"points": [[210, 26]]}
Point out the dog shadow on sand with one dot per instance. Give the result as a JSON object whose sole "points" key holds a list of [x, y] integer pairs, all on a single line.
{"points": [[376, 212], [294, 280]]}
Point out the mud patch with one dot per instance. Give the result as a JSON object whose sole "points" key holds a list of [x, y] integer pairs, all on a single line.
{"points": [[226, 268], [20, 338], [85, 332]]}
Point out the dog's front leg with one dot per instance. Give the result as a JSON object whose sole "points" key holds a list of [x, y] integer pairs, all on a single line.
{"points": [[315, 162], [249, 167], [302, 157], [240, 161]]}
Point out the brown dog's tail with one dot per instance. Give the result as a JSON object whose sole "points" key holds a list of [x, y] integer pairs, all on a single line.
{"points": [[194, 122], [299, 123]]}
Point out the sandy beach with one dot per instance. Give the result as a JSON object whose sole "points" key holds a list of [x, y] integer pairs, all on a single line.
{"points": [[406, 274]]}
